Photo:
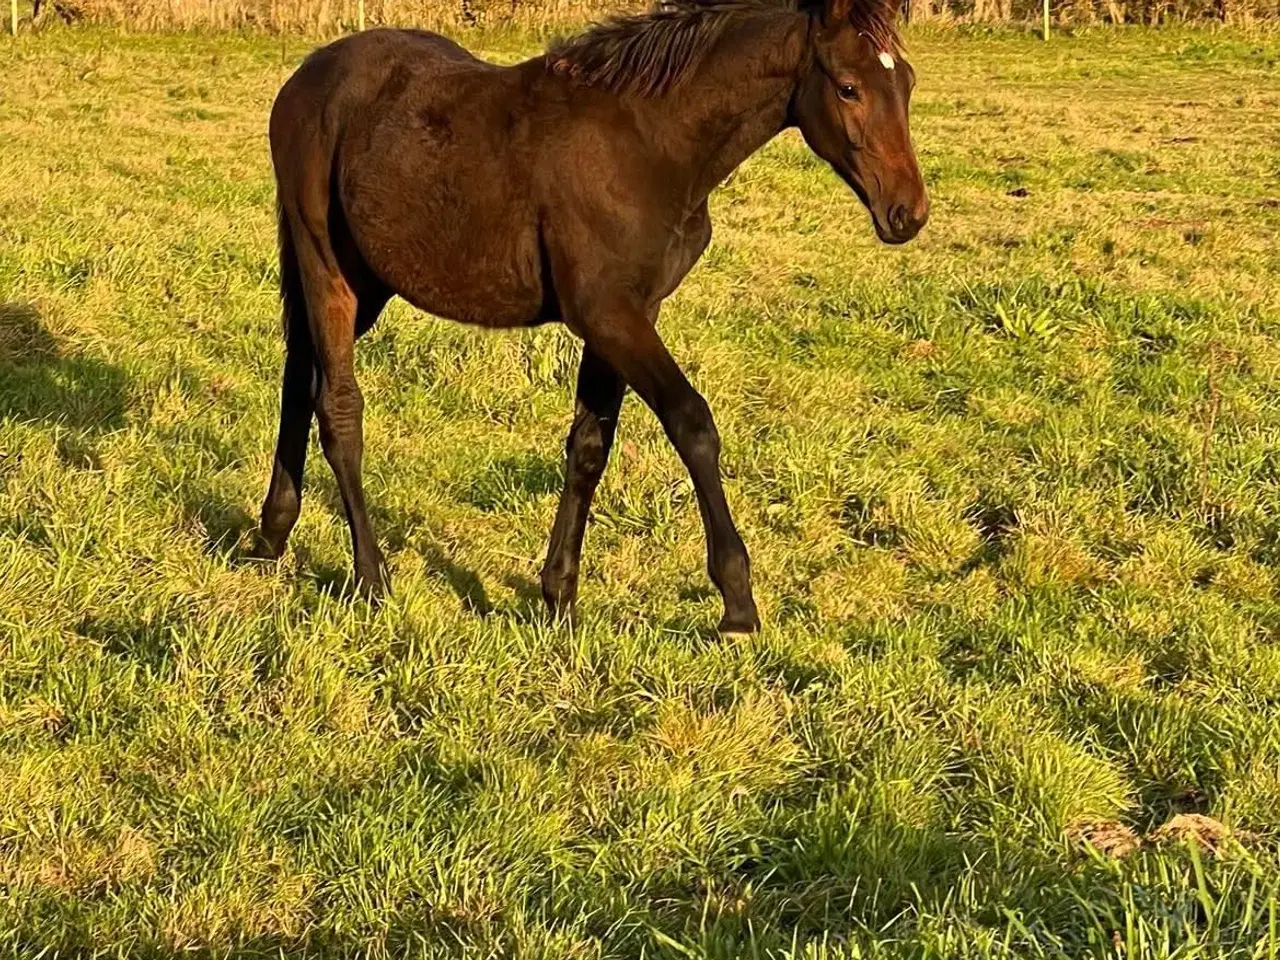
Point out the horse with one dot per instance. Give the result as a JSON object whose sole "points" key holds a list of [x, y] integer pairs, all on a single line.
{"points": [[571, 188]]}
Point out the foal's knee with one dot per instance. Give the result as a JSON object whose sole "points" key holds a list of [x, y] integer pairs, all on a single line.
{"points": [[695, 431], [587, 451]]}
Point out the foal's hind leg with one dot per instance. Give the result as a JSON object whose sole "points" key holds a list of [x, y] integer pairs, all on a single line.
{"points": [[595, 419], [283, 503], [284, 495], [335, 315]]}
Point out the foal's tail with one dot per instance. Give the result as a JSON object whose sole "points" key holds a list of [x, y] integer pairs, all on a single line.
{"points": [[293, 301]]}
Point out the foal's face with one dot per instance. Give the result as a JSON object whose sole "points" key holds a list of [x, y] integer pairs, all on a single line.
{"points": [[851, 107]]}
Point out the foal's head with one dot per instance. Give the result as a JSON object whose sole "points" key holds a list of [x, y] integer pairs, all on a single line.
{"points": [[851, 106]]}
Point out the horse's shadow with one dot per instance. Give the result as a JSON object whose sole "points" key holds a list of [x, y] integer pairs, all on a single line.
{"points": [[527, 606], [463, 581], [79, 398], [227, 525], [42, 382], [336, 579], [410, 531]]}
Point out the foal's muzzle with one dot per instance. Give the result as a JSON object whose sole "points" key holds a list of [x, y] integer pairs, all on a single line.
{"points": [[902, 221]]}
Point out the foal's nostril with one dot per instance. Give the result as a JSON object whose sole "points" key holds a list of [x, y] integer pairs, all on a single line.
{"points": [[898, 218]]}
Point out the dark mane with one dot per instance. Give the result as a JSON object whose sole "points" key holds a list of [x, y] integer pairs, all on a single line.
{"points": [[649, 53]]}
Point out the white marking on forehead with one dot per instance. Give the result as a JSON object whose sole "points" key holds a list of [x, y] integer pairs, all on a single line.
{"points": [[886, 60]]}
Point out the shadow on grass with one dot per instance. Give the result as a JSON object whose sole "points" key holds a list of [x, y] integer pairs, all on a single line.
{"points": [[42, 383], [226, 524], [529, 607], [462, 581], [399, 531], [338, 581], [82, 397]]}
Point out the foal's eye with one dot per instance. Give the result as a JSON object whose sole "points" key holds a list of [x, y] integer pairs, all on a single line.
{"points": [[847, 91]]}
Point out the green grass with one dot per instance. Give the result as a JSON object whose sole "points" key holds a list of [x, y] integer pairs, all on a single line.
{"points": [[1012, 494]]}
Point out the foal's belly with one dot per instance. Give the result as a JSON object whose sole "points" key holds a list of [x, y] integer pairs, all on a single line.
{"points": [[445, 269], [462, 260]]}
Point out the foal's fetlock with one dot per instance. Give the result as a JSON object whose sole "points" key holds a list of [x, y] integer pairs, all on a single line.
{"points": [[732, 576], [273, 532]]}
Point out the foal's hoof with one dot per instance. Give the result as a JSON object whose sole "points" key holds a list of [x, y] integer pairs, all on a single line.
{"points": [[373, 591], [561, 599], [265, 548], [566, 613], [373, 584], [739, 626]]}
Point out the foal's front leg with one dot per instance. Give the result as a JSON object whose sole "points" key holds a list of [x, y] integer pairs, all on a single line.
{"points": [[599, 399], [622, 336]]}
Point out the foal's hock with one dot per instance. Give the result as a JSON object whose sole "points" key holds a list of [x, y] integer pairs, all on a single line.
{"points": [[571, 187]]}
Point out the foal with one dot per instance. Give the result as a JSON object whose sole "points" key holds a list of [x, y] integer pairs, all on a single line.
{"points": [[571, 187]]}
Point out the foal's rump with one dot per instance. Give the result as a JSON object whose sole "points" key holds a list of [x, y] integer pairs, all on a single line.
{"points": [[409, 145]]}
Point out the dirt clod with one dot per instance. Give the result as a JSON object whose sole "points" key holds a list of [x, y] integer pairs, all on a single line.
{"points": [[1208, 833], [1111, 838]]}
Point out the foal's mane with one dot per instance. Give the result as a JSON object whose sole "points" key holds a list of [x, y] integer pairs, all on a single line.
{"points": [[649, 53]]}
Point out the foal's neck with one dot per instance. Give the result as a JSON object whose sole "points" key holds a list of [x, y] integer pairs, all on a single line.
{"points": [[738, 99]]}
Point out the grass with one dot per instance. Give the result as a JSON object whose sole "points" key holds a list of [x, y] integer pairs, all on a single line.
{"points": [[1012, 494]]}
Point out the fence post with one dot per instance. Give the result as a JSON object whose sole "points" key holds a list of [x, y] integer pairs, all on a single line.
{"points": [[13, 17], [1046, 21], [360, 14]]}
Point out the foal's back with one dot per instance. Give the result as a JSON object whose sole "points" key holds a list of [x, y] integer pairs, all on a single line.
{"points": [[419, 156]]}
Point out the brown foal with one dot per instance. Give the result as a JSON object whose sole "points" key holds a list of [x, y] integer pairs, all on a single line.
{"points": [[571, 187]]}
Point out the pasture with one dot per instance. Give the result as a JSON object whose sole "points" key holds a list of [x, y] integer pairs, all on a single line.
{"points": [[1012, 495]]}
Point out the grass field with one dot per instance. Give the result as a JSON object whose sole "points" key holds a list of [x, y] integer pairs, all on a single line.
{"points": [[1012, 494]]}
